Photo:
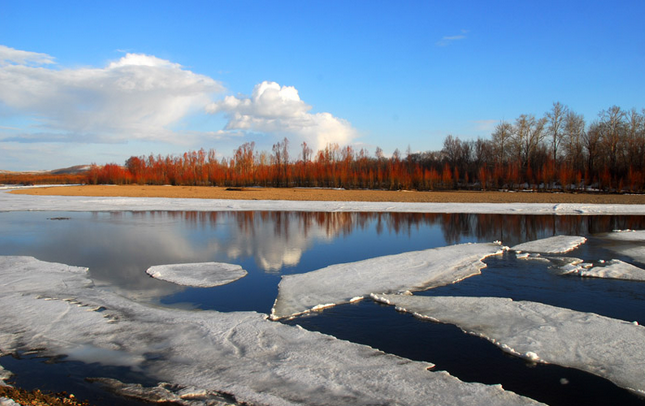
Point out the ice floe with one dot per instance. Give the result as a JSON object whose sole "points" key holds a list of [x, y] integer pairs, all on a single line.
{"points": [[342, 283], [610, 348], [55, 307], [558, 244], [567, 265], [614, 269], [202, 275], [15, 202]]}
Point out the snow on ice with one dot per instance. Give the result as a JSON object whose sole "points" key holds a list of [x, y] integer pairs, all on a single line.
{"points": [[241, 354], [202, 275], [342, 283], [610, 348], [567, 265], [613, 269], [13, 202], [558, 244], [629, 243]]}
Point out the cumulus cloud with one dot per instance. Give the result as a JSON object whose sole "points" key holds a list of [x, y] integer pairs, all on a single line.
{"points": [[272, 108], [137, 97]]}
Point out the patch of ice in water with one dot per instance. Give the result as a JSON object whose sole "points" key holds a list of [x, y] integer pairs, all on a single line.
{"points": [[202, 275], [629, 243], [558, 244], [4, 375], [243, 354], [614, 269], [627, 235], [568, 265], [343, 283], [610, 348]]}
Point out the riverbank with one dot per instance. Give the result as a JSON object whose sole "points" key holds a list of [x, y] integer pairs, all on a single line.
{"points": [[314, 194]]}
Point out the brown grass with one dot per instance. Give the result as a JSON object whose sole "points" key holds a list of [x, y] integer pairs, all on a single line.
{"points": [[333, 195]]}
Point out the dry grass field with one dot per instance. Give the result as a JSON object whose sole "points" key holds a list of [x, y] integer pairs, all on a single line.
{"points": [[334, 195]]}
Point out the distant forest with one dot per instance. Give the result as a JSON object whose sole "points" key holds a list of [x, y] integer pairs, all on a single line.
{"points": [[558, 151]]}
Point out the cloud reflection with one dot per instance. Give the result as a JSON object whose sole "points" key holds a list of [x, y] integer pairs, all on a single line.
{"points": [[118, 247]]}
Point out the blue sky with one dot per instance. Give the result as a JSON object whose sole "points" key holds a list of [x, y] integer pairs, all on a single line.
{"points": [[98, 81]]}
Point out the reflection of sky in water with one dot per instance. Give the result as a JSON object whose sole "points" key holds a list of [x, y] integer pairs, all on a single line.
{"points": [[119, 246]]}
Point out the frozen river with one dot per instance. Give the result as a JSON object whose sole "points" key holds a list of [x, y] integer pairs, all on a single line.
{"points": [[119, 241]]}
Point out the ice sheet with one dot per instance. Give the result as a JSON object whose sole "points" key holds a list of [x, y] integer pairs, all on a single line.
{"points": [[558, 244], [342, 283], [628, 235], [614, 269], [11, 202], [610, 348], [202, 275], [629, 243], [240, 353]]}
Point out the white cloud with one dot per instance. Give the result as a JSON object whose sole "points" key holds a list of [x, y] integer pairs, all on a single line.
{"points": [[447, 40], [10, 56], [276, 109], [137, 97]]}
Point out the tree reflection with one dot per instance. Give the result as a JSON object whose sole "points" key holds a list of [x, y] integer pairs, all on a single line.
{"points": [[292, 233]]}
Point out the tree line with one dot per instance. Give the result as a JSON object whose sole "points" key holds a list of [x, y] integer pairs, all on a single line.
{"points": [[558, 151]]}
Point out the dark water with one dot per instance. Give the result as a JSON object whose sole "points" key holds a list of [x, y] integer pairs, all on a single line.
{"points": [[118, 247]]}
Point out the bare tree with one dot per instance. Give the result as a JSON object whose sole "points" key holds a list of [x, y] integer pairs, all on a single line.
{"points": [[591, 140], [306, 152], [635, 139], [379, 153], [452, 149], [555, 126], [281, 160], [527, 135], [574, 133], [612, 131], [502, 138]]}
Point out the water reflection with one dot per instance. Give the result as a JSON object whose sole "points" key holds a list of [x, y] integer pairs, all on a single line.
{"points": [[119, 246], [510, 229]]}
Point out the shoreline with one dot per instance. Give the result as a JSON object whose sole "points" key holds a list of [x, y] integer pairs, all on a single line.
{"points": [[328, 195]]}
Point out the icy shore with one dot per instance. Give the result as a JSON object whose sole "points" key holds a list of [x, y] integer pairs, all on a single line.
{"points": [[11, 202]]}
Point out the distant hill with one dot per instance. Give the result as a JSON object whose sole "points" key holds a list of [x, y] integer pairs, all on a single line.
{"points": [[72, 170], [63, 176]]}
